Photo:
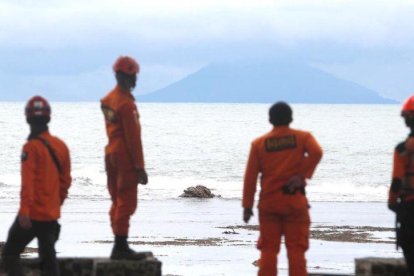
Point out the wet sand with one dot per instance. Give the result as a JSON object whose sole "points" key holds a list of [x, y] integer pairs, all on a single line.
{"points": [[357, 234], [208, 237]]}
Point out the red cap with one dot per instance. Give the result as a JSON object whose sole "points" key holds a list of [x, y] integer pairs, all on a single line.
{"points": [[37, 106], [408, 105], [126, 65]]}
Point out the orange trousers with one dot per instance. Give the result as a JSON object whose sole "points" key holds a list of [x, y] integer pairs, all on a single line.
{"points": [[288, 216], [123, 188]]}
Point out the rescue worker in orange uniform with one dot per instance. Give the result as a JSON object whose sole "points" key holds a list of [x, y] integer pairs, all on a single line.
{"points": [[285, 158], [124, 158], [401, 193], [45, 180]]}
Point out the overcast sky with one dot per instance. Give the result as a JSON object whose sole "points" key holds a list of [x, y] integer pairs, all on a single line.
{"points": [[66, 48]]}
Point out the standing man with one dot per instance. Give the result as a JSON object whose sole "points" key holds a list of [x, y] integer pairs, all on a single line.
{"points": [[45, 180], [401, 193], [124, 158], [285, 158]]}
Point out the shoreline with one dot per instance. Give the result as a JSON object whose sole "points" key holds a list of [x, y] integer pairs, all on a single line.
{"points": [[193, 236]]}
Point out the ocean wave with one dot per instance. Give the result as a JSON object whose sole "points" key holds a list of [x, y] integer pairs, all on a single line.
{"points": [[194, 149]]}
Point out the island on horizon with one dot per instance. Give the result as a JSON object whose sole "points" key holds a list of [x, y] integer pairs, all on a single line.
{"points": [[264, 82]]}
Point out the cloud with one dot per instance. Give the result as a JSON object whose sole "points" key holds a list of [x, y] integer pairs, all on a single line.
{"points": [[57, 87], [82, 24], [70, 44], [91, 85]]}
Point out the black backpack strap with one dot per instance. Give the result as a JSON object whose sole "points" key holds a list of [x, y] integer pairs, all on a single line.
{"points": [[51, 152]]}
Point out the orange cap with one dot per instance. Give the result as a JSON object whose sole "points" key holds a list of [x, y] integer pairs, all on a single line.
{"points": [[126, 65], [408, 105], [37, 106]]}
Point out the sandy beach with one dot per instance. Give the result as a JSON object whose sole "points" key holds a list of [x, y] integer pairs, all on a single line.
{"points": [[208, 237]]}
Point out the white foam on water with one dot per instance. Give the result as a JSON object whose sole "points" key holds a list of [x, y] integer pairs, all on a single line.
{"points": [[208, 144]]}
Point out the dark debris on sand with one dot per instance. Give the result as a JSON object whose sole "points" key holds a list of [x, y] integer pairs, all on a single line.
{"points": [[356, 234]]}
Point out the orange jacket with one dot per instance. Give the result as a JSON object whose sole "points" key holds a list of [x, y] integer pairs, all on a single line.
{"points": [[122, 125], [43, 188], [277, 156], [403, 172]]}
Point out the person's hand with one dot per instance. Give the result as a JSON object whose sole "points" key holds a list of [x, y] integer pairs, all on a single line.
{"points": [[247, 214], [294, 183], [394, 206], [25, 222], [142, 176]]}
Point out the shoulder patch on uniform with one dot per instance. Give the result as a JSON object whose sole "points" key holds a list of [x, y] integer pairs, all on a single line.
{"points": [[400, 147], [109, 114], [280, 143], [23, 156]]}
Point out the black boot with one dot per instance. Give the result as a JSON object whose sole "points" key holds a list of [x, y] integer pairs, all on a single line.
{"points": [[121, 250]]}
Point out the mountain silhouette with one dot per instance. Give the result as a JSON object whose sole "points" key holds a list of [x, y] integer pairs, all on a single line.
{"points": [[263, 82]]}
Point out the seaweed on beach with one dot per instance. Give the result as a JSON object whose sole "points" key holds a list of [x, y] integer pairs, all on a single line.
{"points": [[358, 228], [230, 232], [345, 233], [356, 234], [341, 236], [353, 234], [244, 227], [186, 242]]}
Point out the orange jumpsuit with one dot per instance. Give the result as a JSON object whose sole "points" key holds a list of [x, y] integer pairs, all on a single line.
{"points": [[402, 173], [277, 156], [43, 188], [123, 156], [401, 198]]}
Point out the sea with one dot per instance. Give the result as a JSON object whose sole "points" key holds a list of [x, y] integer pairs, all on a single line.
{"points": [[189, 144]]}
